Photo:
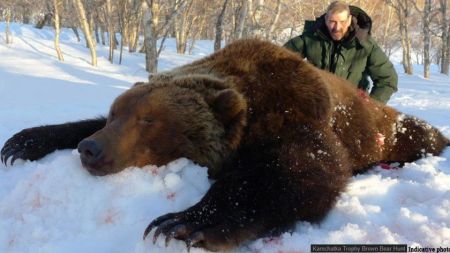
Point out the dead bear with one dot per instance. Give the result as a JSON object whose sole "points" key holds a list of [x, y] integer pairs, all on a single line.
{"points": [[281, 137]]}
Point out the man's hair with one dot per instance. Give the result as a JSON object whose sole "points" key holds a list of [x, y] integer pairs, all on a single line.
{"points": [[338, 7]]}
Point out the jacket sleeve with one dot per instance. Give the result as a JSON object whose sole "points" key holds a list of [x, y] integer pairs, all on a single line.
{"points": [[383, 75], [296, 44]]}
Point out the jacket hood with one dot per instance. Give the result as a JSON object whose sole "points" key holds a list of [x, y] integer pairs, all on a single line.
{"points": [[360, 28]]}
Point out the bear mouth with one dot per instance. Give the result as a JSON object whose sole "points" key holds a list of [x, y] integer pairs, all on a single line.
{"points": [[99, 168]]}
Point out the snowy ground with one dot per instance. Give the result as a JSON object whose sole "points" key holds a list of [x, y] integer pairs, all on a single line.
{"points": [[54, 205]]}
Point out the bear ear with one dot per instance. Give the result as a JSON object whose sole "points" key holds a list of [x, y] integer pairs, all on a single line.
{"points": [[230, 108]]}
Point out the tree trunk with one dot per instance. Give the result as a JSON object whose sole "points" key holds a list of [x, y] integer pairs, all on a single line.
{"points": [[180, 33], [151, 31], [446, 63], [7, 30], [256, 28], [110, 31], [243, 13], [426, 38], [387, 29], [134, 24], [123, 23], [445, 38], [402, 10], [75, 31], [409, 68], [86, 30], [197, 32], [269, 34], [134, 39], [45, 20], [97, 35], [219, 27], [102, 35], [182, 27], [150, 38], [57, 5], [122, 41], [91, 25]]}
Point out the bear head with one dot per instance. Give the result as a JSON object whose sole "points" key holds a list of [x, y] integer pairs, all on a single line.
{"points": [[196, 116]]}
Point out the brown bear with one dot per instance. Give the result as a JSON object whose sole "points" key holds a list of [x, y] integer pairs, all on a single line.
{"points": [[280, 137]]}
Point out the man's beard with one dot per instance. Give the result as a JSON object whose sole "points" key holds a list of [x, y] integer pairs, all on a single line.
{"points": [[337, 34]]}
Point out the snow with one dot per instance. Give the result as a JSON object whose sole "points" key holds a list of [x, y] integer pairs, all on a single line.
{"points": [[54, 205]]}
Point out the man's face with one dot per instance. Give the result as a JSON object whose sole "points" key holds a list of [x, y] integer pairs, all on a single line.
{"points": [[338, 24]]}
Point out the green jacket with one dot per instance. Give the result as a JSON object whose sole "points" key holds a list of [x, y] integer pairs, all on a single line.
{"points": [[355, 58]]}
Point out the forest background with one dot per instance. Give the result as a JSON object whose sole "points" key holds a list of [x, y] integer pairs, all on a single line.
{"points": [[419, 29]]}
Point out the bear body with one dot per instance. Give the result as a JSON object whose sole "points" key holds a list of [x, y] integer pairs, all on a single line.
{"points": [[281, 137]]}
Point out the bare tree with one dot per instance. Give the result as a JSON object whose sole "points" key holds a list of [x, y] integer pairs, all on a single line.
{"points": [[256, 18], [197, 22], [57, 6], [109, 21], [445, 38], [86, 29], [182, 24], [150, 36], [387, 28], [129, 17], [152, 30], [426, 28], [240, 22], [45, 13], [219, 26], [395, 22], [277, 12], [445, 64], [7, 29], [402, 9]]}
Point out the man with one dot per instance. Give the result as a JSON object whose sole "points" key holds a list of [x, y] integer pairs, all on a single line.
{"points": [[339, 41]]}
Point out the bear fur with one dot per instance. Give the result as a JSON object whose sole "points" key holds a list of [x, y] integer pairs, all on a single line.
{"points": [[281, 138]]}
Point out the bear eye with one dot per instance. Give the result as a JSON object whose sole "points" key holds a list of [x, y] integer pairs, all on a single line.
{"points": [[147, 121]]}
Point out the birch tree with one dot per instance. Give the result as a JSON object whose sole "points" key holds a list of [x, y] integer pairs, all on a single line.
{"points": [[426, 28], [445, 37], [240, 22], [277, 12], [257, 18], [57, 6], [150, 36], [109, 21], [183, 23], [402, 9], [86, 30], [152, 31], [219, 26], [7, 29], [134, 18]]}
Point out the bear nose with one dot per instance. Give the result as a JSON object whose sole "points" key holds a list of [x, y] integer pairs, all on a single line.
{"points": [[90, 151]]}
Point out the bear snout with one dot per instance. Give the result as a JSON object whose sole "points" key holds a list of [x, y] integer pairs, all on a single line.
{"points": [[92, 156]]}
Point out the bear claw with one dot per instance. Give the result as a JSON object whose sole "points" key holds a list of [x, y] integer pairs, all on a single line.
{"points": [[173, 226], [16, 156], [7, 152], [164, 228], [195, 240], [17, 147], [156, 222], [13, 152], [178, 231]]}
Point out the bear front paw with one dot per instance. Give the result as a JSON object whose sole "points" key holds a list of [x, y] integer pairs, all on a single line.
{"points": [[195, 231], [26, 145]]}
